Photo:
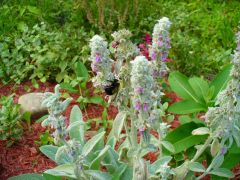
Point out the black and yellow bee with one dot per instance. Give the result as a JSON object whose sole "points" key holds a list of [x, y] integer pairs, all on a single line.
{"points": [[113, 87]]}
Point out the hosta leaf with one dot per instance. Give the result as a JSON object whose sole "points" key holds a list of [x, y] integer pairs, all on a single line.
{"points": [[200, 87], [179, 84], [81, 70], [182, 137], [221, 80], [186, 107]]}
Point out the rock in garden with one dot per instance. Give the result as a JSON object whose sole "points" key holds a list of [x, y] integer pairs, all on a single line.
{"points": [[32, 102]]}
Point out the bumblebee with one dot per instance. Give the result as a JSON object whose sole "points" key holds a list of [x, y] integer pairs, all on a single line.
{"points": [[112, 88]]}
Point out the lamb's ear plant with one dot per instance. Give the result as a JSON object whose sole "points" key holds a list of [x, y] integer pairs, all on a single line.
{"points": [[137, 99], [77, 158]]}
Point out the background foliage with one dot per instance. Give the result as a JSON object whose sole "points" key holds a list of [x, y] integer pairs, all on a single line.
{"points": [[202, 33]]}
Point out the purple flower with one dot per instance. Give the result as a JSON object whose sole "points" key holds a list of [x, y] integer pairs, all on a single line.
{"points": [[155, 73], [163, 73], [138, 106], [141, 130], [98, 58], [160, 43], [164, 56], [140, 90], [114, 45], [154, 56], [146, 107], [223, 151]]}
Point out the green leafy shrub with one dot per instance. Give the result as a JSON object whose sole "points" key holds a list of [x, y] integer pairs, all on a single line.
{"points": [[10, 124], [42, 54], [197, 93]]}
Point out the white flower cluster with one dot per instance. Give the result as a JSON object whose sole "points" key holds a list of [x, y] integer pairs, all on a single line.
{"points": [[224, 120], [142, 83], [101, 63], [160, 46]]}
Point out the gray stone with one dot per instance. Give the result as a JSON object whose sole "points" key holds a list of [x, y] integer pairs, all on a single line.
{"points": [[32, 102]]}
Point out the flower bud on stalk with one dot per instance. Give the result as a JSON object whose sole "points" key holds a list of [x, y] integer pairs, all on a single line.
{"points": [[160, 47], [101, 63], [142, 84]]}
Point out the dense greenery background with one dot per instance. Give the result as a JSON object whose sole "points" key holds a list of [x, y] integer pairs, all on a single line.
{"points": [[202, 33]]}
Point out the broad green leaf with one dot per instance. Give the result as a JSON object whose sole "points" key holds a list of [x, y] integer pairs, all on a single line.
{"points": [[186, 107], [196, 167], [97, 100], [81, 71], [188, 142], [87, 148], [200, 87], [22, 26], [50, 151], [182, 137], [98, 175], [223, 172], [34, 10], [27, 177], [65, 170], [221, 80], [68, 87], [118, 123], [179, 84], [97, 161], [78, 131], [201, 131], [51, 177]]}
